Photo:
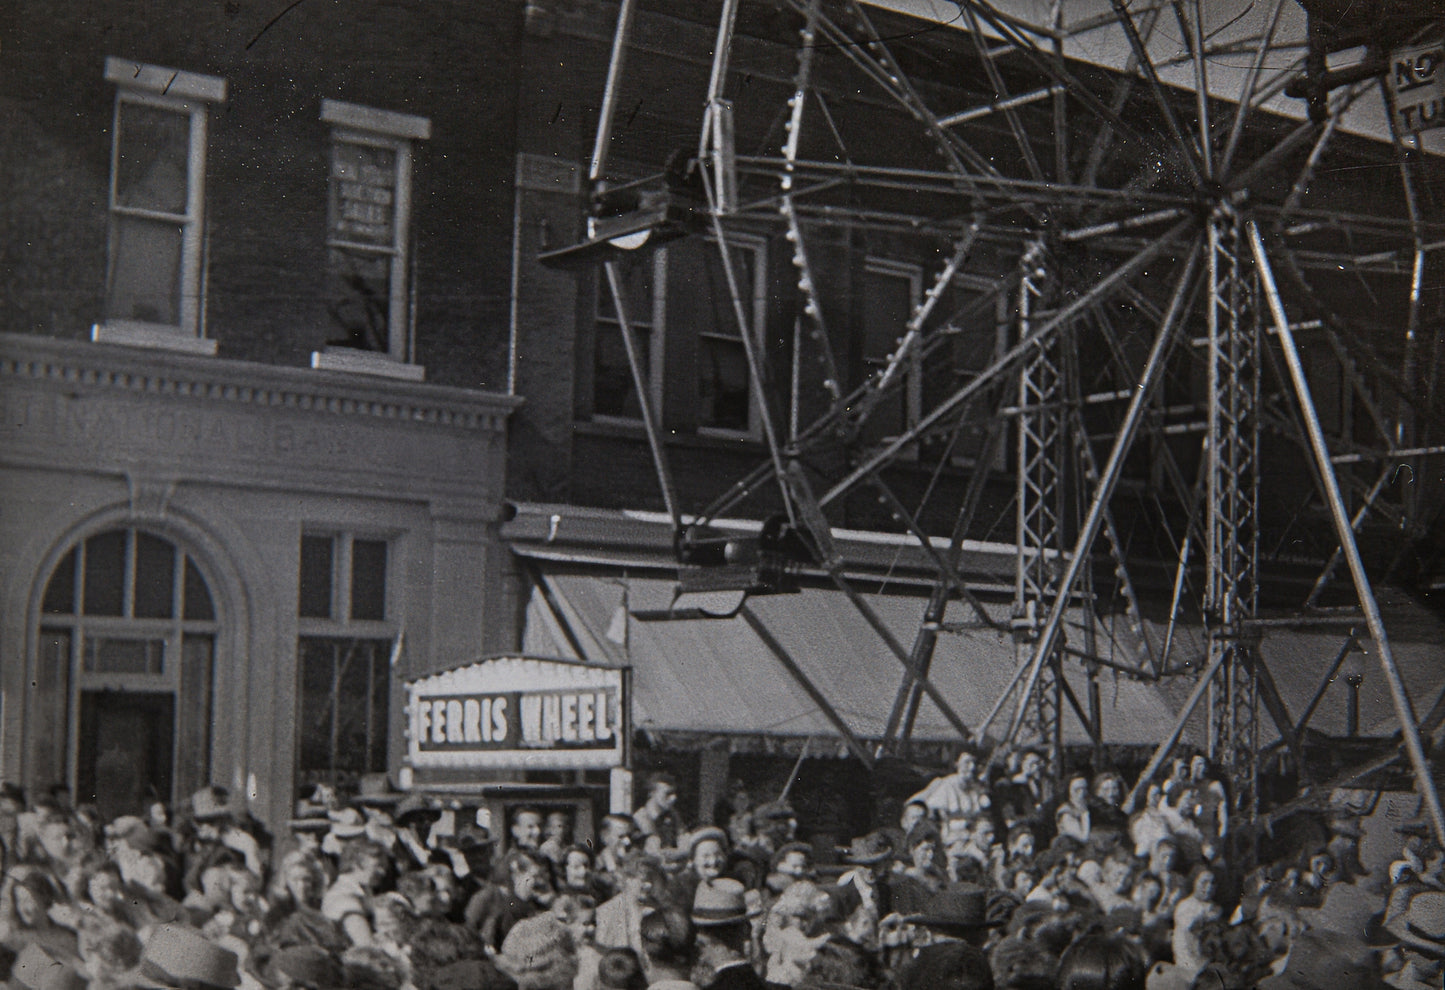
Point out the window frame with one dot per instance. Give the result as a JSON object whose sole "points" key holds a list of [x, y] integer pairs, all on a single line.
{"points": [[657, 333], [80, 627], [354, 123], [758, 245], [340, 631], [913, 375], [181, 92], [340, 621]]}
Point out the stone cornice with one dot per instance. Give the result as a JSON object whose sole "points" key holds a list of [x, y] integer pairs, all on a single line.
{"points": [[130, 369]]}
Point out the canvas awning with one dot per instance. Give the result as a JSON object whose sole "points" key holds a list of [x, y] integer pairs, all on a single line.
{"points": [[719, 676]]}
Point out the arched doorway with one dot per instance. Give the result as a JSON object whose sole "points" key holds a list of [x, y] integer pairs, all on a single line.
{"points": [[120, 703]]}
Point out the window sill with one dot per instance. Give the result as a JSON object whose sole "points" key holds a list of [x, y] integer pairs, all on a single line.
{"points": [[356, 362], [132, 333]]}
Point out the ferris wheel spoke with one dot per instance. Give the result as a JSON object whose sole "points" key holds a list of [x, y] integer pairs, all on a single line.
{"points": [[1185, 147], [1246, 93], [1106, 134], [1002, 95]]}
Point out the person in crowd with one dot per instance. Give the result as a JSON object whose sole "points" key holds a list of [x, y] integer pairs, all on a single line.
{"points": [[644, 889], [668, 946], [526, 830], [1102, 961], [1191, 912], [294, 916], [363, 867], [575, 875], [656, 820], [707, 854], [794, 929], [26, 898], [866, 888], [1106, 804], [1074, 817], [615, 835], [720, 917], [578, 912], [499, 904], [1209, 810], [958, 793], [538, 953], [556, 837], [1024, 794]]}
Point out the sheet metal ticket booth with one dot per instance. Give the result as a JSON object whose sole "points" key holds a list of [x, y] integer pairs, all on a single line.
{"points": [[476, 732]]}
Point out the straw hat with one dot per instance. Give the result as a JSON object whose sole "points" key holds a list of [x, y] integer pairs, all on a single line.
{"points": [[719, 902], [176, 954]]}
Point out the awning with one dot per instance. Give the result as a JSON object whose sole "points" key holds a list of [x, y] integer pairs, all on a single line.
{"points": [[718, 675]]}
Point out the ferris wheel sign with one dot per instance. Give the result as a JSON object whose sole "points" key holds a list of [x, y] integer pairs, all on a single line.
{"points": [[1417, 87]]}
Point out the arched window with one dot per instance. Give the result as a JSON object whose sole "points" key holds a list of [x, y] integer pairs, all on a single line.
{"points": [[121, 698]]}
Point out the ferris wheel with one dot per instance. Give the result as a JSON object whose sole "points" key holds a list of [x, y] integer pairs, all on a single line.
{"points": [[1183, 232]]}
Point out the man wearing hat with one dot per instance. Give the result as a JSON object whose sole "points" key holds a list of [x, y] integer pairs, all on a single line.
{"points": [[871, 856], [957, 913], [720, 915], [218, 839]]}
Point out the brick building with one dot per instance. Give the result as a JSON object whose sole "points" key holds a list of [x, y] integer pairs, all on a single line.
{"points": [[293, 411]]}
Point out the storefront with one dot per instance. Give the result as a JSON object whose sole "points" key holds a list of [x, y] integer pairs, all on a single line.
{"points": [[219, 571]]}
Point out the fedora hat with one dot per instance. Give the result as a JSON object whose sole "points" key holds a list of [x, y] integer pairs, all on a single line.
{"points": [[871, 848], [959, 907], [36, 969], [719, 902], [377, 789], [1421, 926], [176, 954], [211, 803]]}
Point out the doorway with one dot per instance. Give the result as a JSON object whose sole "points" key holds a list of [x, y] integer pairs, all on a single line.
{"points": [[125, 756]]}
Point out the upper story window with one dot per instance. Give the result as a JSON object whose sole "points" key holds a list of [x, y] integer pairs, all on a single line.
{"points": [[342, 578], [892, 291], [681, 314], [724, 398], [642, 280], [154, 272], [368, 219]]}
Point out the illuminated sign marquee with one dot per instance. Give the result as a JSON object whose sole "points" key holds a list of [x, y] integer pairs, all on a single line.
{"points": [[516, 713]]}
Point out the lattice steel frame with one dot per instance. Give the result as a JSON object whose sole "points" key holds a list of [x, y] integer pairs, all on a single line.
{"points": [[1234, 674]]}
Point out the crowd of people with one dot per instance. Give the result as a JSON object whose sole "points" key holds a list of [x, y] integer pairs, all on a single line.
{"points": [[985, 880]]}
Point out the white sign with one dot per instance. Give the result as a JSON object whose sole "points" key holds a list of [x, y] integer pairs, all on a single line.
{"points": [[519, 713], [1417, 87]]}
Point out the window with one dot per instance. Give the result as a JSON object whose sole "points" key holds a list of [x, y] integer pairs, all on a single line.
{"points": [[613, 394], [724, 396], [344, 689], [120, 704], [892, 291], [343, 656], [342, 577], [368, 216], [153, 286]]}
